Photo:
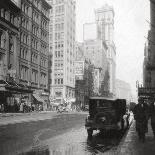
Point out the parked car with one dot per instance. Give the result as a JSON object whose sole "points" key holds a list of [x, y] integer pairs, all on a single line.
{"points": [[106, 114]]}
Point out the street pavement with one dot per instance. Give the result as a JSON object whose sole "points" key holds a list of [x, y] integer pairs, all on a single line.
{"points": [[18, 138], [131, 145], [13, 118], [61, 134]]}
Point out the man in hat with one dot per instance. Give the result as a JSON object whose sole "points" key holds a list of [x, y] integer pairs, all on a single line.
{"points": [[141, 115]]}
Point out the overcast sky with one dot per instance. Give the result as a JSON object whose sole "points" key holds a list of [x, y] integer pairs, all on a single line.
{"points": [[130, 29]]}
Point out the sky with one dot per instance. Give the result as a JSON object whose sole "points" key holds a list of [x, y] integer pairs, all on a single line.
{"points": [[130, 29]]}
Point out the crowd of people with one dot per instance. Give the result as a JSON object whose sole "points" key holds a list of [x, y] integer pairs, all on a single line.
{"points": [[144, 111]]}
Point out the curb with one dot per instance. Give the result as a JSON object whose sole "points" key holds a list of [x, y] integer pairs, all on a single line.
{"points": [[124, 137]]}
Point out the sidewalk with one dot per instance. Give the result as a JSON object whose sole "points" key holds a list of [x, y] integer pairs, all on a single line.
{"points": [[131, 145]]}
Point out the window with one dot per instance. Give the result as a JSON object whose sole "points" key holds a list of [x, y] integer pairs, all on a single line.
{"points": [[2, 39], [61, 81]]}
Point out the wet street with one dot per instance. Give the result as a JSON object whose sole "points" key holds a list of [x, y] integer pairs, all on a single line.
{"points": [[63, 134]]}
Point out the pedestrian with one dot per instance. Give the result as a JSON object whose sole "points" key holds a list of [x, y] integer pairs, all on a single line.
{"points": [[141, 115], [152, 116]]}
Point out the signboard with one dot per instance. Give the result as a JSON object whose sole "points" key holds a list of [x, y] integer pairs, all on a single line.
{"points": [[146, 91], [79, 68]]}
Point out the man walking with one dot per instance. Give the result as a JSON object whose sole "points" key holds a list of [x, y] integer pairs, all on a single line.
{"points": [[141, 115]]}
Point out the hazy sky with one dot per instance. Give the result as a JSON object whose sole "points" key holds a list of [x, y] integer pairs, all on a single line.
{"points": [[130, 29]]}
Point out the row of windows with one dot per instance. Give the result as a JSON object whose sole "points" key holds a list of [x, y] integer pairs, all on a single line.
{"points": [[57, 65], [35, 30], [43, 62], [44, 36], [24, 53], [24, 38], [34, 76], [2, 39], [59, 9], [24, 72], [44, 24], [58, 74], [34, 57], [59, 45], [25, 8], [25, 23], [43, 79], [59, 36], [59, 27], [7, 15], [35, 44], [35, 17], [59, 81], [58, 54]]}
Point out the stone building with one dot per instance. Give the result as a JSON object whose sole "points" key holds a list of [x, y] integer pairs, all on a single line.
{"points": [[96, 52], [62, 47], [34, 47], [149, 52], [10, 88], [105, 31], [25, 61]]}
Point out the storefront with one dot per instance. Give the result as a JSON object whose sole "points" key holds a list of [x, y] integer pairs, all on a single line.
{"points": [[12, 95]]}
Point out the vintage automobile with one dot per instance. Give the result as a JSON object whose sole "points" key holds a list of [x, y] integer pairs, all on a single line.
{"points": [[62, 109], [106, 114]]}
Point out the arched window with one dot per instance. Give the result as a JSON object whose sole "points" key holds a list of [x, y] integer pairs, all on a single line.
{"points": [[2, 39]]}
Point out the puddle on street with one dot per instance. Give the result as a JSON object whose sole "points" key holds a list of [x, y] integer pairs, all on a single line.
{"points": [[75, 142]]}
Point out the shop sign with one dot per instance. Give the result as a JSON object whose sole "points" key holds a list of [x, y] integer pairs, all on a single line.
{"points": [[79, 69]]}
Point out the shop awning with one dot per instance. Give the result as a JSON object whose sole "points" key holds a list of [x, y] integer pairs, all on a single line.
{"points": [[38, 98]]}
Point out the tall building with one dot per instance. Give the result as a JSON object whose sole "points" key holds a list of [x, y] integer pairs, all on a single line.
{"points": [[146, 71], [34, 47], [149, 51], [62, 47], [105, 31], [9, 47], [96, 52]]}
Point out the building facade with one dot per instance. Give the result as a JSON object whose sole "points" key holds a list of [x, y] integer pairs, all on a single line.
{"points": [[11, 90], [34, 47], [146, 72], [62, 47], [105, 31], [25, 50], [96, 52], [149, 52]]}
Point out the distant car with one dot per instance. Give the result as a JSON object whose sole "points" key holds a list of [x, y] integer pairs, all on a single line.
{"points": [[62, 109]]}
